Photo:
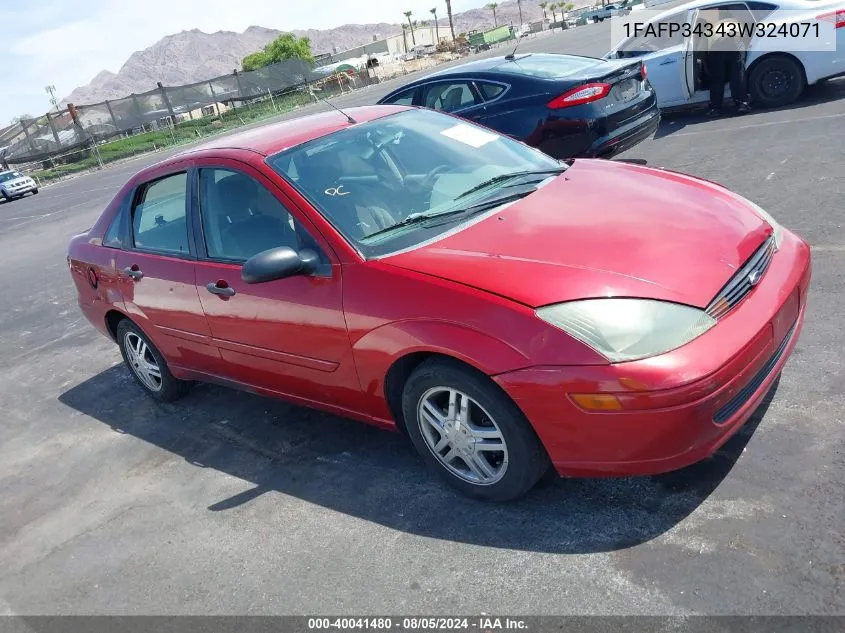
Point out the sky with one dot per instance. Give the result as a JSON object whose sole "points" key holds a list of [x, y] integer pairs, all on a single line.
{"points": [[65, 43]]}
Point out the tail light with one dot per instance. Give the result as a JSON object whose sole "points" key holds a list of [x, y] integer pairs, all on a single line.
{"points": [[837, 17], [643, 71], [580, 95]]}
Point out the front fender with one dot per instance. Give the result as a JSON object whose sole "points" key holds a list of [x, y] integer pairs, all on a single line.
{"points": [[376, 351]]}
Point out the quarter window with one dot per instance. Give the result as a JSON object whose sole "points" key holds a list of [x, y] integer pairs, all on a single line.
{"points": [[490, 91], [159, 220]]}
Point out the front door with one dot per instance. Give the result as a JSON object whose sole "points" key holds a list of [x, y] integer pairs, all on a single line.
{"points": [[156, 273], [288, 335]]}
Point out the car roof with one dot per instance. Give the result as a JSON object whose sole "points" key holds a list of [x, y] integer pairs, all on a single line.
{"points": [[486, 65], [275, 137], [697, 4]]}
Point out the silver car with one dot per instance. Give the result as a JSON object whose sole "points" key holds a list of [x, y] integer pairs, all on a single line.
{"points": [[13, 184]]}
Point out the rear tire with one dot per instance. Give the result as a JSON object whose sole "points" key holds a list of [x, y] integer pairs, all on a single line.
{"points": [[776, 81], [468, 431], [147, 365]]}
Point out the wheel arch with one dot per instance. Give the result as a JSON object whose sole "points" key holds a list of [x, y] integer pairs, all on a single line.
{"points": [[387, 356], [113, 318]]}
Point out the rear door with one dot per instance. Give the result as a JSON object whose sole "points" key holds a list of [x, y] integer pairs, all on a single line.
{"points": [[156, 271], [287, 335], [663, 51]]}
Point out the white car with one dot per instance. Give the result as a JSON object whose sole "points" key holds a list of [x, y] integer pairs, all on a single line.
{"points": [[13, 184], [775, 78]]}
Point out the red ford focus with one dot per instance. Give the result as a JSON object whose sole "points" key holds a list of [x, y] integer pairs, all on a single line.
{"points": [[507, 311]]}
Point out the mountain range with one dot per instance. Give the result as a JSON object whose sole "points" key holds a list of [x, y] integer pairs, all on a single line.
{"points": [[193, 55]]}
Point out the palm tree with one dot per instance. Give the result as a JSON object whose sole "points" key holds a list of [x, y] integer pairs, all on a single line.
{"points": [[552, 7], [436, 25], [451, 23], [519, 7], [543, 6], [405, 36], [410, 24], [492, 6]]}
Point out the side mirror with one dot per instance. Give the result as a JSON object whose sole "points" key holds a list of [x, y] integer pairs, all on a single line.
{"points": [[279, 263]]}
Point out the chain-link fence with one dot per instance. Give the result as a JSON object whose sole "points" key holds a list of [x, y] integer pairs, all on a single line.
{"points": [[57, 134]]}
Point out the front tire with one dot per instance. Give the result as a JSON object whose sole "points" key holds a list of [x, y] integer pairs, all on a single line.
{"points": [[147, 365], [470, 432], [776, 81], [35, 191]]}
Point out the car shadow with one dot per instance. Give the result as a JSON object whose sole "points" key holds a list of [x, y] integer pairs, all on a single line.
{"points": [[675, 120], [373, 474]]}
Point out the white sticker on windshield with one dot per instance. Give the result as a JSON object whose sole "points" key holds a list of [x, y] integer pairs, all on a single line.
{"points": [[469, 135]]}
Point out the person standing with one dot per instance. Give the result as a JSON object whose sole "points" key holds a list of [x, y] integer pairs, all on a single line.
{"points": [[726, 64]]}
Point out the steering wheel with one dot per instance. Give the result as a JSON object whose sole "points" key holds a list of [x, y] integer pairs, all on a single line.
{"points": [[428, 180]]}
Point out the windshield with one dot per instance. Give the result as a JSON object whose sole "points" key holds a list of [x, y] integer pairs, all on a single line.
{"points": [[382, 183], [10, 175]]}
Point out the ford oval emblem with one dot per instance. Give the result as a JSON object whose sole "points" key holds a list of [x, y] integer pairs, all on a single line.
{"points": [[755, 277]]}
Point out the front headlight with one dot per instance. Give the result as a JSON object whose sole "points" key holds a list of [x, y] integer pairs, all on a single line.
{"points": [[777, 229], [628, 329]]}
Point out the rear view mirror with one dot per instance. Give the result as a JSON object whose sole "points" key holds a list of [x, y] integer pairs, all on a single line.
{"points": [[278, 263]]}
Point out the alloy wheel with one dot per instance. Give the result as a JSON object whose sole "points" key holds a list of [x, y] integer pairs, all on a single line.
{"points": [[142, 362], [462, 436]]}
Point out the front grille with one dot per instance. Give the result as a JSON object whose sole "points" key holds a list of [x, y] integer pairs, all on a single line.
{"points": [[743, 281], [743, 395]]}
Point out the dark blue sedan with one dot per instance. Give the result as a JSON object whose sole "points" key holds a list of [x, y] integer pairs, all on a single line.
{"points": [[565, 105]]}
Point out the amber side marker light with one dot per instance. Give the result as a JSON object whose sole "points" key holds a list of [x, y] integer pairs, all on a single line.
{"points": [[596, 401]]}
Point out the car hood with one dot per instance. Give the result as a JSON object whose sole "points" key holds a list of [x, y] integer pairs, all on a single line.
{"points": [[602, 229]]}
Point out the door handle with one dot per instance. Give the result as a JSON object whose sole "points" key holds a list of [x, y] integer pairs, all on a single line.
{"points": [[666, 62], [134, 272], [220, 288]]}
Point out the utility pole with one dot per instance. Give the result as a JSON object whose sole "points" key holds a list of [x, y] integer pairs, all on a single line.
{"points": [[51, 90]]}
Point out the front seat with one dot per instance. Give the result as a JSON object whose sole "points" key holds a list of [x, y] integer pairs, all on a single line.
{"points": [[353, 213], [244, 229]]}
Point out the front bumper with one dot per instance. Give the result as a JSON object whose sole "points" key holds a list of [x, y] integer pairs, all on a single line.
{"points": [[20, 191], [680, 407]]}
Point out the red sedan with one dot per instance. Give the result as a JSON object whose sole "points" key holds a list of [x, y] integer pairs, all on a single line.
{"points": [[507, 311]]}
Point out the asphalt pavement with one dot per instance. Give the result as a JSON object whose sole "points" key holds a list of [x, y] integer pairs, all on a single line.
{"points": [[227, 503]]}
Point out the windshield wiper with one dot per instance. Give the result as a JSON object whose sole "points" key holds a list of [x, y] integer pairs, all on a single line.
{"points": [[418, 218], [505, 177]]}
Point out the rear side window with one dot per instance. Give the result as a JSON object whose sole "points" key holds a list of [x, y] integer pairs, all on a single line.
{"points": [[548, 67], [114, 236], [490, 91], [403, 98], [159, 220], [449, 96]]}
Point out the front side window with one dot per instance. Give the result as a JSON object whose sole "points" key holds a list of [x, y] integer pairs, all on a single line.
{"points": [[448, 97], [403, 98], [241, 218], [159, 219], [408, 168]]}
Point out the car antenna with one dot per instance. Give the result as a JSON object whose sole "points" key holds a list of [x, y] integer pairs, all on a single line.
{"points": [[348, 118], [513, 52]]}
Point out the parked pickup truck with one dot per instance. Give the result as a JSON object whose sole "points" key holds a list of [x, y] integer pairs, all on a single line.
{"points": [[600, 13]]}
